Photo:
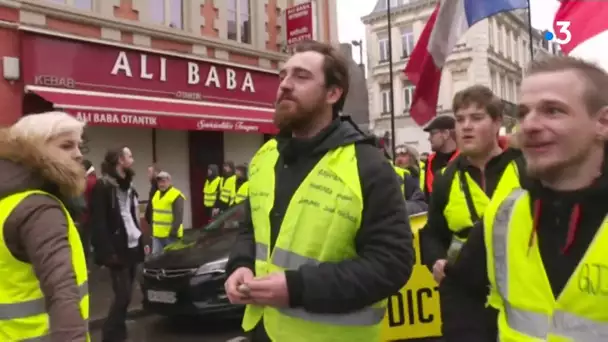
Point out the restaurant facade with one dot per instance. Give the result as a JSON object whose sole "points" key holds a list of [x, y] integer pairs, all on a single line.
{"points": [[169, 103]]}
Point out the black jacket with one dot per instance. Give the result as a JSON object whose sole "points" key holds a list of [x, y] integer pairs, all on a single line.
{"points": [[415, 201], [436, 238], [384, 241], [109, 235], [148, 213], [467, 277]]}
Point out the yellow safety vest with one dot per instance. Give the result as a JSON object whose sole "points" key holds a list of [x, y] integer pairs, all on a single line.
{"points": [[422, 175], [520, 289], [210, 191], [228, 189], [456, 212], [162, 213], [241, 193], [22, 302], [401, 173], [320, 225]]}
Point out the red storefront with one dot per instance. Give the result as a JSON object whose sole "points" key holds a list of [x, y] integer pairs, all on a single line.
{"points": [[182, 113]]}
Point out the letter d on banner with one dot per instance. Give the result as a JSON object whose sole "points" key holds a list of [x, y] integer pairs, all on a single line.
{"points": [[414, 312]]}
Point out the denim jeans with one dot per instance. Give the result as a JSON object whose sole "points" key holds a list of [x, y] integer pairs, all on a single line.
{"points": [[159, 244]]}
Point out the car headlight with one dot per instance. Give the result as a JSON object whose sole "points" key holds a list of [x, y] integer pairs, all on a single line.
{"points": [[218, 266]]}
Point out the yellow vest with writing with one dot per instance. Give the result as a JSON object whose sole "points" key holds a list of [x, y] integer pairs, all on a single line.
{"points": [[456, 212], [520, 289], [319, 226], [210, 192], [22, 302], [228, 189], [162, 213], [422, 166], [241, 193]]}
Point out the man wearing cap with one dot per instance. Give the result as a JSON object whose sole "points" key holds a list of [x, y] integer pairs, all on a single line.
{"points": [[443, 144], [167, 213]]}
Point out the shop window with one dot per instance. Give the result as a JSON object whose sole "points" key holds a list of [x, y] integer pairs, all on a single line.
{"points": [[239, 20], [167, 13], [80, 4]]}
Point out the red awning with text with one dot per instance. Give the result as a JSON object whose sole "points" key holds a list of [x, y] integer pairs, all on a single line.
{"points": [[109, 109]]}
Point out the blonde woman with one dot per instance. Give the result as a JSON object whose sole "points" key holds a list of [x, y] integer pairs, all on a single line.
{"points": [[43, 274]]}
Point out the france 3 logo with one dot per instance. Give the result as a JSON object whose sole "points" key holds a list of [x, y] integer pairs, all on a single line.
{"points": [[563, 35]]}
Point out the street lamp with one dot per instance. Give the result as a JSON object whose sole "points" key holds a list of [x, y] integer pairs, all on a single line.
{"points": [[359, 43]]}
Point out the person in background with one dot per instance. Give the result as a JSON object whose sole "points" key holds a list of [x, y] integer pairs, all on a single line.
{"points": [[42, 261], [116, 235], [461, 193], [85, 228], [167, 213], [211, 190], [549, 285], [326, 238], [227, 188], [152, 172], [443, 144], [242, 184], [415, 201], [407, 158]]}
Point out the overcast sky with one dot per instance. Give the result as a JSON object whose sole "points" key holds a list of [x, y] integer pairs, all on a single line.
{"points": [[351, 28]]}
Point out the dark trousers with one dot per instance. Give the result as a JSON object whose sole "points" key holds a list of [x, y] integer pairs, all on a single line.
{"points": [[115, 327]]}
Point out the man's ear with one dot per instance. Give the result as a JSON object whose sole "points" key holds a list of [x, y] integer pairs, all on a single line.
{"points": [[602, 124], [334, 94]]}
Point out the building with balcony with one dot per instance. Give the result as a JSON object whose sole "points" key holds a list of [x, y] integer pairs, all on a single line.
{"points": [[183, 83], [494, 52]]}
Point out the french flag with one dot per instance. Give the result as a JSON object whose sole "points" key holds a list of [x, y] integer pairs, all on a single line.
{"points": [[448, 23], [587, 23]]}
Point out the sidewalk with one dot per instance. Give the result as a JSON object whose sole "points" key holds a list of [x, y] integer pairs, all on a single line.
{"points": [[101, 296]]}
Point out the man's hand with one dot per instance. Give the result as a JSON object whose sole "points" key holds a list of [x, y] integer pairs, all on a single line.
{"points": [[438, 270], [270, 290], [237, 294]]}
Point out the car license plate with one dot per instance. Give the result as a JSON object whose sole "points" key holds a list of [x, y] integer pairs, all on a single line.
{"points": [[166, 297]]}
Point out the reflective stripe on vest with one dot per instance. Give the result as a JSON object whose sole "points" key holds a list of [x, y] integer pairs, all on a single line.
{"points": [[328, 204], [456, 211], [242, 193], [544, 318], [228, 189], [162, 213], [292, 261], [23, 309], [210, 192]]}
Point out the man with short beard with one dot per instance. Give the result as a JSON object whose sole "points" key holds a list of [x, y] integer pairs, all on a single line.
{"points": [[443, 144], [117, 238], [325, 238], [541, 249]]}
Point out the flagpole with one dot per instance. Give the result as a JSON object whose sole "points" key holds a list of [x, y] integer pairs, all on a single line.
{"points": [[391, 76], [530, 32]]}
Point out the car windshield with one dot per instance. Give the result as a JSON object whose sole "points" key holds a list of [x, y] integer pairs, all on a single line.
{"points": [[228, 220]]}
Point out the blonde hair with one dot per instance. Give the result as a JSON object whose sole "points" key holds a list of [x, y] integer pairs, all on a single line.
{"points": [[46, 126]]}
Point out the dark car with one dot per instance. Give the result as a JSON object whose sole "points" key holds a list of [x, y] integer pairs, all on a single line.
{"points": [[188, 278]]}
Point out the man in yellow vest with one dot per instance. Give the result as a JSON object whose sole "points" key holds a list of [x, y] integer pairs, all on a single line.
{"points": [[326, 235], [543, 247], [415, 202], [167, 213], [227, 188], [241, 185], [462, 191], [211, 190], [43, 274]]}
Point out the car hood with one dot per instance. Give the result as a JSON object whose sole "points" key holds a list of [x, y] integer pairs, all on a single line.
{"points": [[190, 253]]}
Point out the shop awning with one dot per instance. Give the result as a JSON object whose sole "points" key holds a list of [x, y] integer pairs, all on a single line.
{"points": [[109, 109]]}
